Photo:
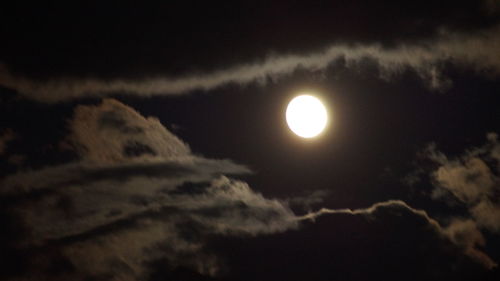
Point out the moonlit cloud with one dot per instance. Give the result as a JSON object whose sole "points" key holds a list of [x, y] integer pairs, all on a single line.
{"points": [[463, 233], [478, 51], [89, 209], [369, 210], [113, 132], [113, 212], [472, 180]]}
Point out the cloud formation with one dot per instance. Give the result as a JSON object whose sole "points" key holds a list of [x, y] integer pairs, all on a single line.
{"points": [[462, 233], [491, 6], [113, 211], [113, 132], [118, 209], [473, 180], [478, 51], [370, 210], [5, 137], [339, 240]]}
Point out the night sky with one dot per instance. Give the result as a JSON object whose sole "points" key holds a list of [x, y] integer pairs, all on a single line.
{"points": [[149, 141]]}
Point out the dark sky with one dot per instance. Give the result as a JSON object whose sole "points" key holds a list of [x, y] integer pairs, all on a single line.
{"points": [[149, 142]]}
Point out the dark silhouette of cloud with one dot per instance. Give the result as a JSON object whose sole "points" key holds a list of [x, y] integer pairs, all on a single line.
{"points": [[460, 232], [362, 245]]}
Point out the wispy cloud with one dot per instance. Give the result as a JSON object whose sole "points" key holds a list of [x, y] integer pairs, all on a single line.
{"points": [[478, 51], [370, 210], [472, 180]]}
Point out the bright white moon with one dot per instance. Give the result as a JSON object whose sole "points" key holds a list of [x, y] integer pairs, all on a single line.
{"points": [[306, 116]]}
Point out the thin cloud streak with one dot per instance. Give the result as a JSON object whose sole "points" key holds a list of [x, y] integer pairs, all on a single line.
{"points": [[461, 233], [478, 51], [369, 210]]}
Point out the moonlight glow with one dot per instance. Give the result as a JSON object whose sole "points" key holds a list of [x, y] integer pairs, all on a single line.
{"points": [[306, 116]]}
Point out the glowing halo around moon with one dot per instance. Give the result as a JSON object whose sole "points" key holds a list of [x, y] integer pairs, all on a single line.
{"points": [[306, 116]]}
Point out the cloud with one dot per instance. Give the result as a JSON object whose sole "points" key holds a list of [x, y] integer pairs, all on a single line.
{"points": [[487, 215], [132, 223], [386, 241], [191, 169], [113, 132], [494, 147], [116, 143], [367, 211], [491, 6], [478, 51], [463, 233], [469, 180], [112, 212], [5, 137], [473, 180], [307, 200]]}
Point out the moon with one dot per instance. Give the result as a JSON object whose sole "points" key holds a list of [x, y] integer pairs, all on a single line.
{"points": [[306, 116]]}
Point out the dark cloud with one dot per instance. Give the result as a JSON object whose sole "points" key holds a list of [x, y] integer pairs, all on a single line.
{"points": [[366, 244], [461, 233], [98, 225], [5, 137], [307, 201], [477, 51], [143, 40], [492, 6], [194, 169]]}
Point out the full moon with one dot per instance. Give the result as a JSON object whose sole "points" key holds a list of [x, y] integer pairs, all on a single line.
{"points": [[306, 116]]}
